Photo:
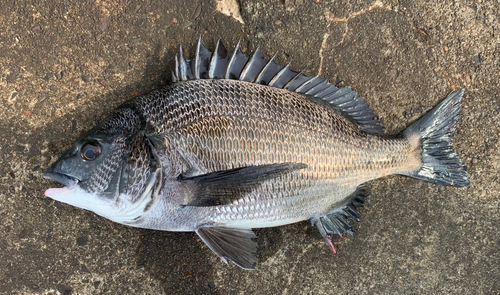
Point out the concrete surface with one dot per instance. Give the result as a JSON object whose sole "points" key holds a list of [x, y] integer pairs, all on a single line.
{"points": [[65, 64]]}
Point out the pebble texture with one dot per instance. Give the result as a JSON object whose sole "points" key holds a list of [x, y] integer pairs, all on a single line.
{"points": [[64, 65]]}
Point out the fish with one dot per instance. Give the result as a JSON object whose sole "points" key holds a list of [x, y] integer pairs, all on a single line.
{"points": [[236, 143]]}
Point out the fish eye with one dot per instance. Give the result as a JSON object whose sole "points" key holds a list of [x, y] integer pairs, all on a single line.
{"points": [[90, 151]]}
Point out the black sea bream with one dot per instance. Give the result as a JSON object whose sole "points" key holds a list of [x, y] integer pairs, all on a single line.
{"points": [[236, 143]]}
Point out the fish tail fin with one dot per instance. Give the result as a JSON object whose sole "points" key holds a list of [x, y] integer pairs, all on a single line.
{"points": [[434, 133]]}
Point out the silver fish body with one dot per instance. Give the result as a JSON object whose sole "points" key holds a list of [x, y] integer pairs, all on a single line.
{"points": [[238, 143], [217, 125]]}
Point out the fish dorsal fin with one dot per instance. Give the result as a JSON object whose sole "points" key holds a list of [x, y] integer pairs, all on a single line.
{"points": [[253, 67], [202, 61], [224, 187], [224, 64], [219, 61], [236, 63], [230, 243]]}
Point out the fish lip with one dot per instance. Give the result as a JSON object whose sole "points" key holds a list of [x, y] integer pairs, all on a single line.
{"points": [[68, 181]]}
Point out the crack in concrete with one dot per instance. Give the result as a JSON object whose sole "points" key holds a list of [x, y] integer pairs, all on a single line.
{"points": [[376, 4], [321, 49]]}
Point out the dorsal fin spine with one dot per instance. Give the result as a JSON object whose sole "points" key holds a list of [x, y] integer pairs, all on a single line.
{"points": [[260, 77], [211, 66], [232, 61], [219, 61], [287, 85], [278, 75], [214, 60], [176, 67], [183, 64], [309, 83], [324, 92], [319, 88], [253, 67], [197, 60]]}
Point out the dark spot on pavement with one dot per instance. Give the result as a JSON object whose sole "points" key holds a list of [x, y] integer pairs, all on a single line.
{"points": [[12, 77], [477, 60], [65, 290], [85, 269], [23, 233], [81, 241], [48, 77]]}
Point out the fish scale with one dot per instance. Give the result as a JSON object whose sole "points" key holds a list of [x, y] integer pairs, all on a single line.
{"points": [[262, 139], [237, 143]]}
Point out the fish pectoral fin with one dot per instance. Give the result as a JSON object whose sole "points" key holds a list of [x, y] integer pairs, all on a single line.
{"points": [[337, 221], [231, 243], [224, 187]]}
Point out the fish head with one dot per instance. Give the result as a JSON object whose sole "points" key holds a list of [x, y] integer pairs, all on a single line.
{"points": [[91, 169]]}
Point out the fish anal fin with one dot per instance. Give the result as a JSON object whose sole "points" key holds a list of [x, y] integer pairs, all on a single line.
{"points": [[231, 244], [224, 187], [338, 220]]}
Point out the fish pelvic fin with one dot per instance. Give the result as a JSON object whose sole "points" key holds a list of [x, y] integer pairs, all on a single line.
{"points": [[434, 134], [231, 244], [337, 221]]}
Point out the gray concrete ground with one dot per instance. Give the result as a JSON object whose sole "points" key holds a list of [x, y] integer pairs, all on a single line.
{"points": [[65, 64]]}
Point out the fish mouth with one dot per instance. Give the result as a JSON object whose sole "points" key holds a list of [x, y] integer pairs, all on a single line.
{"points": [[68, 181]]}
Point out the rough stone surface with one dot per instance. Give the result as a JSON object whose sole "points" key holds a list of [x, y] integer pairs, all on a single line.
{"points": [[65, 64]]}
